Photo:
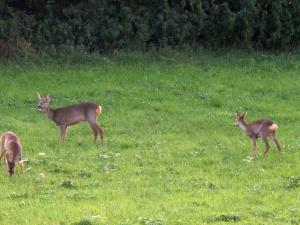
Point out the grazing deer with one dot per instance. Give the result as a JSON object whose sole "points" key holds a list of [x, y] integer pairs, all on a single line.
{"points": [[11, 149], [66, 116], [262, 128]]}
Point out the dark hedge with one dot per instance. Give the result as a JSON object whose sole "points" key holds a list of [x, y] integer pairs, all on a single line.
{"points": [[103, 25]]}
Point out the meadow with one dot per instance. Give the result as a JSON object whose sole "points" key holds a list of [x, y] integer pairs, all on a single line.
{"points": [[172, 154]]}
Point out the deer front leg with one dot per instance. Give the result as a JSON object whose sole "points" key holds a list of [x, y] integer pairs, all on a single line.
{"points": [[254, 142], [4, 159], [6, 163], [22, 166], [63, 130], [1, 155], [267, 145]]}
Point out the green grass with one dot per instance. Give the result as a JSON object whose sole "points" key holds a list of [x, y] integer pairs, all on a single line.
{"points": [[172, 154]]}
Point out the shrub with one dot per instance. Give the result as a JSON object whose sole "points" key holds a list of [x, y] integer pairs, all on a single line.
{"points": [[101, 25]]}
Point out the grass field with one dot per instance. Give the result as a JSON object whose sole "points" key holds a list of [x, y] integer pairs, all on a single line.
{"points": [[172, 154]]}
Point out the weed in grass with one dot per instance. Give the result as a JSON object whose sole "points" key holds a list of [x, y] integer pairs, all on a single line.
{"points": [[15, 195], [84, 174], [83, 222], [68, 184], [146, 221], [80, 196], [216, 102], [200, 204], [224, 218], [293, 182]]}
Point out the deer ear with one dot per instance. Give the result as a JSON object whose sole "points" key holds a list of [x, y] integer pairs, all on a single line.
{"points": [[39, 96], [245, 114], [238, 114], [48, 97]]}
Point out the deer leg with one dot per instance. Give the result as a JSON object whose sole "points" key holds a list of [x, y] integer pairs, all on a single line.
{"points": [[99, 131], [2, 148], [276, 143], [1, 155], [254, 141], [6, 163], [22, 166], [63, 130], [267, 145], [95, 133], [4, 159]]}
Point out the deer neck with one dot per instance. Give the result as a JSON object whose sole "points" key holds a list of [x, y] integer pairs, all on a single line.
{"points": [[243, 126], [50, 113]]}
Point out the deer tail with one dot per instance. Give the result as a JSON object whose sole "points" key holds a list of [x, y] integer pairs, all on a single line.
{"points": [[273, 127], [99, 109]]}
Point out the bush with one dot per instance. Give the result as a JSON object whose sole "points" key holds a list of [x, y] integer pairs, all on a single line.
{"points": [[102, 25]]}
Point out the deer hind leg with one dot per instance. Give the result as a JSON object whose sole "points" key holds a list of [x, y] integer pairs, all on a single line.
{"points": [[92, 120], [276, 142], [254, 141], [21, 166], [63, 131], [267, 145], [99, 130], [95, 133]]}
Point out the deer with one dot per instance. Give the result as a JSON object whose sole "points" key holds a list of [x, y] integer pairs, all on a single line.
{"points": [[264, 128], [11, 150], [73, 114]]}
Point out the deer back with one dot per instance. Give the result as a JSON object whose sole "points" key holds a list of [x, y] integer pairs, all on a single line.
{"points": [[10, 143], [261, 127], [12, 149], [75, 113]]}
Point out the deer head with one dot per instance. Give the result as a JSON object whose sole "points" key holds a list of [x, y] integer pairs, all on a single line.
{"points": [[44, 102], [240, 119]]}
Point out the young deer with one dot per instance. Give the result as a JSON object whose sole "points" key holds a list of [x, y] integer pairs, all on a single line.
{"points": [[66, 116], [11, 149], [262, 128]]}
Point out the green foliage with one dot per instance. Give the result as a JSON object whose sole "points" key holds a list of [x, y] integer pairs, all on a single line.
{"points": [[101, 25]]}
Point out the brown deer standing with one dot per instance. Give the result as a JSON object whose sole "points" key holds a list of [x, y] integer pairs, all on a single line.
{"points": [[262, 128], [66, 116], [11, 149]]}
